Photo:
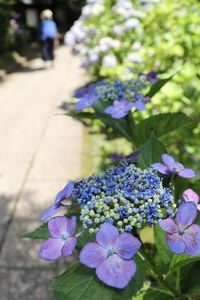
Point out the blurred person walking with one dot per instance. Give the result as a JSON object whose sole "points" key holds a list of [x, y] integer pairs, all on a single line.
{"points": [[48, 36]]}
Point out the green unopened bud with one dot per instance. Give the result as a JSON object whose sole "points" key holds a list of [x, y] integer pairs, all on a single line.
{"points": [[96, 220], [91, 213], [116, 216], [120, 223]]}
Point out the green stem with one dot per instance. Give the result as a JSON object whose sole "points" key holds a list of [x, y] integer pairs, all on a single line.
{"points": [[132, 128], [178, 288], [158, 277], [173, 181], [161, 291]]}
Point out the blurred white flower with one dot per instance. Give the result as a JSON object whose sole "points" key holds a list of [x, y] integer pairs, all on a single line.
{"points": [[107, 43], [93, 57], [117, 29], [131, 24], [109, 61], [132, 57], [137, 46], [69, 39]]}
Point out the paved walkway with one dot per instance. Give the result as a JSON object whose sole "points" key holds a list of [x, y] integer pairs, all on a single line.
{"points": [[40, 150]]}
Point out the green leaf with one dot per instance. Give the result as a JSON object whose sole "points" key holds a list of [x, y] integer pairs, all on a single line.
{"points": [[164, 253], [150, 152], [158, 85], [161, 125], [82, 115], [81, 283], [156, 295], [181, 260], [39, 233]]}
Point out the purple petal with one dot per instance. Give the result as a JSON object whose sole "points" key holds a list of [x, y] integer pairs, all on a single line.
{"points": [[71, 225], [59, 226], [186, 214], [175, 243], [115, 271], [169, 226], [65, 193], [176, 167], [187, 173], [69, 246], [190, 195], [92, 255], [107, 235], [68, 189], [161, 168], [167, 159], [140, 105], [50, 211], [192, 240], [126, 245], [109, 109], [119, 114], [51, 249]]}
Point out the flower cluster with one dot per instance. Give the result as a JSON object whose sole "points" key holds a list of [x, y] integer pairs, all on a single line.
{"points": [[117, 97], [170, 166], [124, 196], [114, 205], [106, 47]]}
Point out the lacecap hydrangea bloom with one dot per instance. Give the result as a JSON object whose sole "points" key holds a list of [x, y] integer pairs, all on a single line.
{"points": [[125, 196], [114, 206], [117, 97]]}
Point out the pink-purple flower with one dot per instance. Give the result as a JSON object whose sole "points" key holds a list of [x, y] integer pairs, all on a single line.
{"points": [[111, 256], [182, 235], [170, 166], [62, 240], [65, 193], [119, 109], [190, 196]]}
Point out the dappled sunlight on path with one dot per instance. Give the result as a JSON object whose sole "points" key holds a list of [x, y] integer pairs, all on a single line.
{"points": [[40, 150]]}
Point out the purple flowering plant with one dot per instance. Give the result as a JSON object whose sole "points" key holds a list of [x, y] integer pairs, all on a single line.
{"points": [[104, 224]]}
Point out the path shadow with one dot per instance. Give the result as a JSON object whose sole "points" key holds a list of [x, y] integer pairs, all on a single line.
{"points": [[22, 275]]}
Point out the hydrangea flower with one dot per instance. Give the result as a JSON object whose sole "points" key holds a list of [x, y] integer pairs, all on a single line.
{"points": [[119, 109], [182, 235], [132, 157], [170, 166], [62, 240], [119, 97], [65, 193], [109, 61], [190, 196], [124, 196], [111, 256], [152, 76], [131, 23]]}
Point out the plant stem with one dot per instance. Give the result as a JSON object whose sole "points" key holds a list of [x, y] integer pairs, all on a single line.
{"points": [[155, 274], [178, 281]]}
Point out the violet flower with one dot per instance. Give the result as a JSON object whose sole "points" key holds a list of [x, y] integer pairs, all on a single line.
{"points": [[119, 109], [111, 256], [190, 196], [84, 103], [170, 166], [182, 235], [140, 101], [65, 193], [132, 157], [152, 76], [62, 241]]}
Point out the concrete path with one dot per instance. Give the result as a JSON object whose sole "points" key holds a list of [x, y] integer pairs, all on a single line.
{"points": [[40, 151]]}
